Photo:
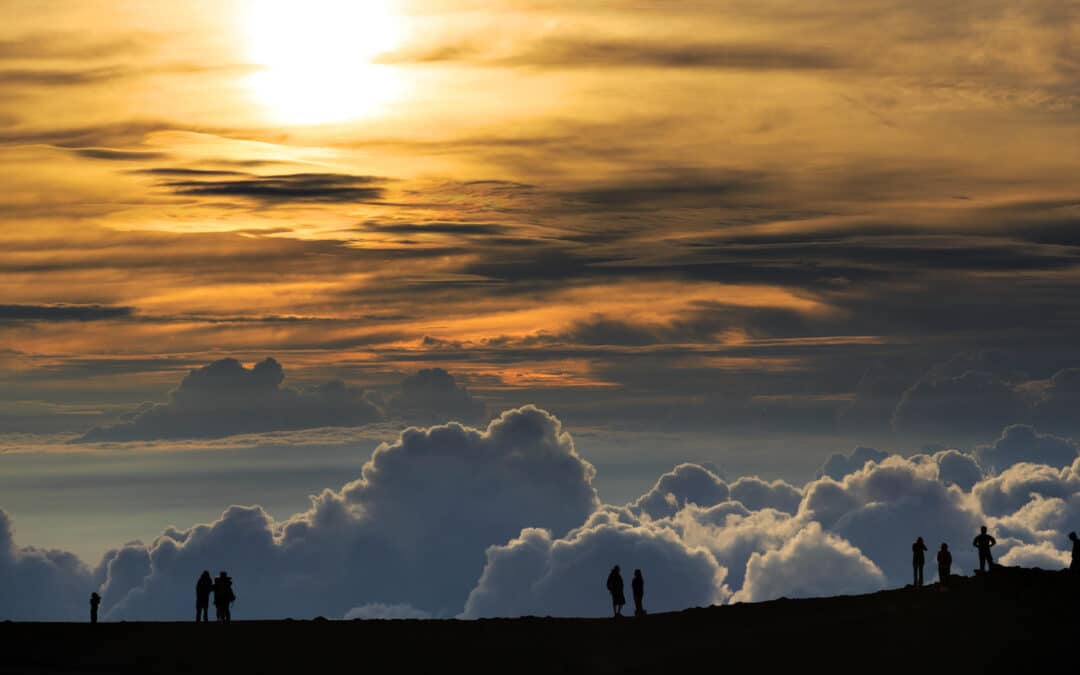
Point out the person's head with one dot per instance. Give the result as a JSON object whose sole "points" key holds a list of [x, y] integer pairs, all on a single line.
{"points": [[944, 547], [983, 529], [95, 596], [205, 574], [919, 540], [615, 569], [1072, 535], [223, 574], [637, 573]]}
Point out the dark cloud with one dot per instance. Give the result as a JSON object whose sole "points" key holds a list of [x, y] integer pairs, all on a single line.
{"points": [[1058, 408], [465, 229], [959, 409], [585, 52], [114, 134], [434, 395], [41, 77], [58, 45], [118, 155], [38, 584], [225, 398], [685, 484], [1022, 443], [839, 465], [285, 188], [63, 313], [691, 187]]}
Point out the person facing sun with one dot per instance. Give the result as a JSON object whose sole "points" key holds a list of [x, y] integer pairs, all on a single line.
{"points": [[918, 561], [984, 542], [615, 587]]}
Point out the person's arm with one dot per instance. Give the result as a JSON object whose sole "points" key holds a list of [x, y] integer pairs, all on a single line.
{"points": [[993, 542]]}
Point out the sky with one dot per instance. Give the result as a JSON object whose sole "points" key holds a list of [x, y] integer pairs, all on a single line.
{"points": [[244, 243]]}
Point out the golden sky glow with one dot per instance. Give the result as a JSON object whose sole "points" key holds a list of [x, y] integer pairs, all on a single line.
{"points": [[530, 194]]}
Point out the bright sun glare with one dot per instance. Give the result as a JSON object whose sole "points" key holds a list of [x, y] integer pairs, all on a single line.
{"points": [[316, 57]]}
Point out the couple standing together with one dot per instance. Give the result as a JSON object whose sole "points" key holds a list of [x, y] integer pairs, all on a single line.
{"points": [[223, 597], [615, 587]]}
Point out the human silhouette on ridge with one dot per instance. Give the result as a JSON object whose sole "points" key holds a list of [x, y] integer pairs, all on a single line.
{"points": [[223, 597], [637, 585], [984, 542], [615, 587], [95, 600], [944, 565], [1075, 565], [918, 560], [203, 588]]}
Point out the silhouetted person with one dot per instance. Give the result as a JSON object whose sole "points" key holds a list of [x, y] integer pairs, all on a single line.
{"points": [[918, 560], [203, 588], [223, 597], [615, 587], [1075, 566], [637, 585], [95, 600], [984, 542], [944, 564]]}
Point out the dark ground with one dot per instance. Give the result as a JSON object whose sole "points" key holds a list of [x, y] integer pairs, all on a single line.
{"points": [[1011, 617]]}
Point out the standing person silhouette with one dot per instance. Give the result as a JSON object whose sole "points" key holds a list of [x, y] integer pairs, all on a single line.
{"points": [[1075, 566], [615, 587], [95, 600], [918, 560], [944, 565], [203, 588], [638, 587], [984, 542], [223, 597]]}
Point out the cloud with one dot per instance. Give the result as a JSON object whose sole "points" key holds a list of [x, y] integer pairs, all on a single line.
{"points": [[433, 395], [284, 188], [443, 228], [685, 484], [62, 45], [1021, 443], [1058, 410], [1014, 487], [225, 398], [1042, 555], [113, 154], [38, 584], [839, 465], [884, 507], [756, 494], [969, 406], [814, 563], [536, 574], [412, 529], [381, 611], [63, 313], [580, 51], [958, 468], [504, 521]]}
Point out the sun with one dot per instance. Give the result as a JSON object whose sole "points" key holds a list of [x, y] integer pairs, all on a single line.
{"points": [[316, 57]]}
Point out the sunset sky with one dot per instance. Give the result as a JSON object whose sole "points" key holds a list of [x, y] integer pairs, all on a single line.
{"points": [[744, 233]]}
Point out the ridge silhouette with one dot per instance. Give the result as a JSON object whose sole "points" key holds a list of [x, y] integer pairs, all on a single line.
{"points": [[1034, 623]]}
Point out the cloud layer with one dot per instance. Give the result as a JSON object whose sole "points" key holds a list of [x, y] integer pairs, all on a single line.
{"points": [[504, 521]]}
